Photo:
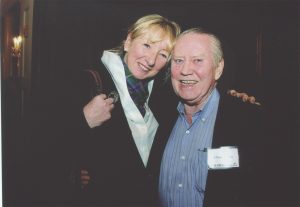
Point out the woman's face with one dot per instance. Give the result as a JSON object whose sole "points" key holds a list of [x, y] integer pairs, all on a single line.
{"points": [[145, 58]]}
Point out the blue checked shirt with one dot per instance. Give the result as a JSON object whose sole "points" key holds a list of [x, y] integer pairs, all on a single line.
{"points": [[184, 164]]}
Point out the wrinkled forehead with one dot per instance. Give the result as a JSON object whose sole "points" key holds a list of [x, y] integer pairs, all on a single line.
{"points": [[157, 34], [193, 43]]}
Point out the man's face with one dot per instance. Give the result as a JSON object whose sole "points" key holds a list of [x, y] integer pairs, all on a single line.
{"points": [[144, 58], [193, 73]]}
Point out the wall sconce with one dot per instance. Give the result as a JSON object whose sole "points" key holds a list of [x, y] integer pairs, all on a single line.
{"points": [[16, 52], [17, 45]]}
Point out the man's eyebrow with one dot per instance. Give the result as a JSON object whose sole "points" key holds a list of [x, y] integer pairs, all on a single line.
{"points": [[199, 55]]}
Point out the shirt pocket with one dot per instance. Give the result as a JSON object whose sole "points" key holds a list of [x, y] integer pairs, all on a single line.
{"points": [[200, 170]]}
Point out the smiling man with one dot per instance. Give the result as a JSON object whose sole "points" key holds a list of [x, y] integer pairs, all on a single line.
{"points": [[212, 156], [195, 70]]}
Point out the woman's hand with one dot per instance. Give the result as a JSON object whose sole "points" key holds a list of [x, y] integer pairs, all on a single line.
{"points": [[98, 110]]}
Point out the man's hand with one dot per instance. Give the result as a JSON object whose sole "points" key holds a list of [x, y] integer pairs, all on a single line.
{"points": [[245, 97], [84, 178], [98, 110]]}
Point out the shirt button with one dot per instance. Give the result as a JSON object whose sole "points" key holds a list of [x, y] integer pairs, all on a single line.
{"points": [[203, 119], [180, 185], [187, 131], [182, 157]]}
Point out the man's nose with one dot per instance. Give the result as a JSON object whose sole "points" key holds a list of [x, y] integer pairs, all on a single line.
{"points": [[186, 68]]}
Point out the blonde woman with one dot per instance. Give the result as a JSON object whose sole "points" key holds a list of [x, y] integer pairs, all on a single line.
{"points": [[117, 137]]}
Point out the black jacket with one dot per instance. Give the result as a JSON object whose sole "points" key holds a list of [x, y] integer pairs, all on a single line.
{"points": [[109, 153], [237, 124]]}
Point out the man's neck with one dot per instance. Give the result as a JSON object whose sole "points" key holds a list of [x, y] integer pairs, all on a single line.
{"points": [[191, 109]]}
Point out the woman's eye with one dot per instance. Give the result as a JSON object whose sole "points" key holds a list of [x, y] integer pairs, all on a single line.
{"points": [[146, 45], [164, 55]]}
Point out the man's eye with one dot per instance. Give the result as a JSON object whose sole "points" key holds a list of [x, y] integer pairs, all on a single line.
{"points": [[198, 60], [177, 61]]}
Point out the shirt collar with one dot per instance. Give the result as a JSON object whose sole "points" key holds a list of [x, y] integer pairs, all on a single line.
{"points": [[212, 101]]}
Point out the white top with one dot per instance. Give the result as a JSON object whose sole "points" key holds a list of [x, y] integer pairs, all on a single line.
{"points": [[143, 129]]}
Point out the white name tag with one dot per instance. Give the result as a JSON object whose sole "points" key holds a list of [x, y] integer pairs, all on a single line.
{"points": [[223, 158]]}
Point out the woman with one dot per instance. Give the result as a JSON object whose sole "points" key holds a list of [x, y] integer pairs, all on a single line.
{"points": [[118, 137]]}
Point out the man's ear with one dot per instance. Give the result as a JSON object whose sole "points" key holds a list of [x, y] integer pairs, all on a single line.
{"points": [[219, 69], [127, 42]]}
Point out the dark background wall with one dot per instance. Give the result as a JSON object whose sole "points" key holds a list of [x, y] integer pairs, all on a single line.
{"points": [[261, 42], [74, 33], [260, 37]]}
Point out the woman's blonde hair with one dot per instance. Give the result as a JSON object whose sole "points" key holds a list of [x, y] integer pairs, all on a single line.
{"points": [[156, 27]]}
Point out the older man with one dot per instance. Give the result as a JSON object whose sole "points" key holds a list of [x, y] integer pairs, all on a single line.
{"points": [[212, 157]]}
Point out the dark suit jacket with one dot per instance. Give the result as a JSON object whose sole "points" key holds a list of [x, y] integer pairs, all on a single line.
{"points": [[237, 124]]}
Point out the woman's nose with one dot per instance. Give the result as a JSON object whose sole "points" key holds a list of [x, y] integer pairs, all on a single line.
{"points": [[151, 59]]}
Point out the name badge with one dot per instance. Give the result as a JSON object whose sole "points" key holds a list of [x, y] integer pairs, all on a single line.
{"points": [[223, 158]]}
